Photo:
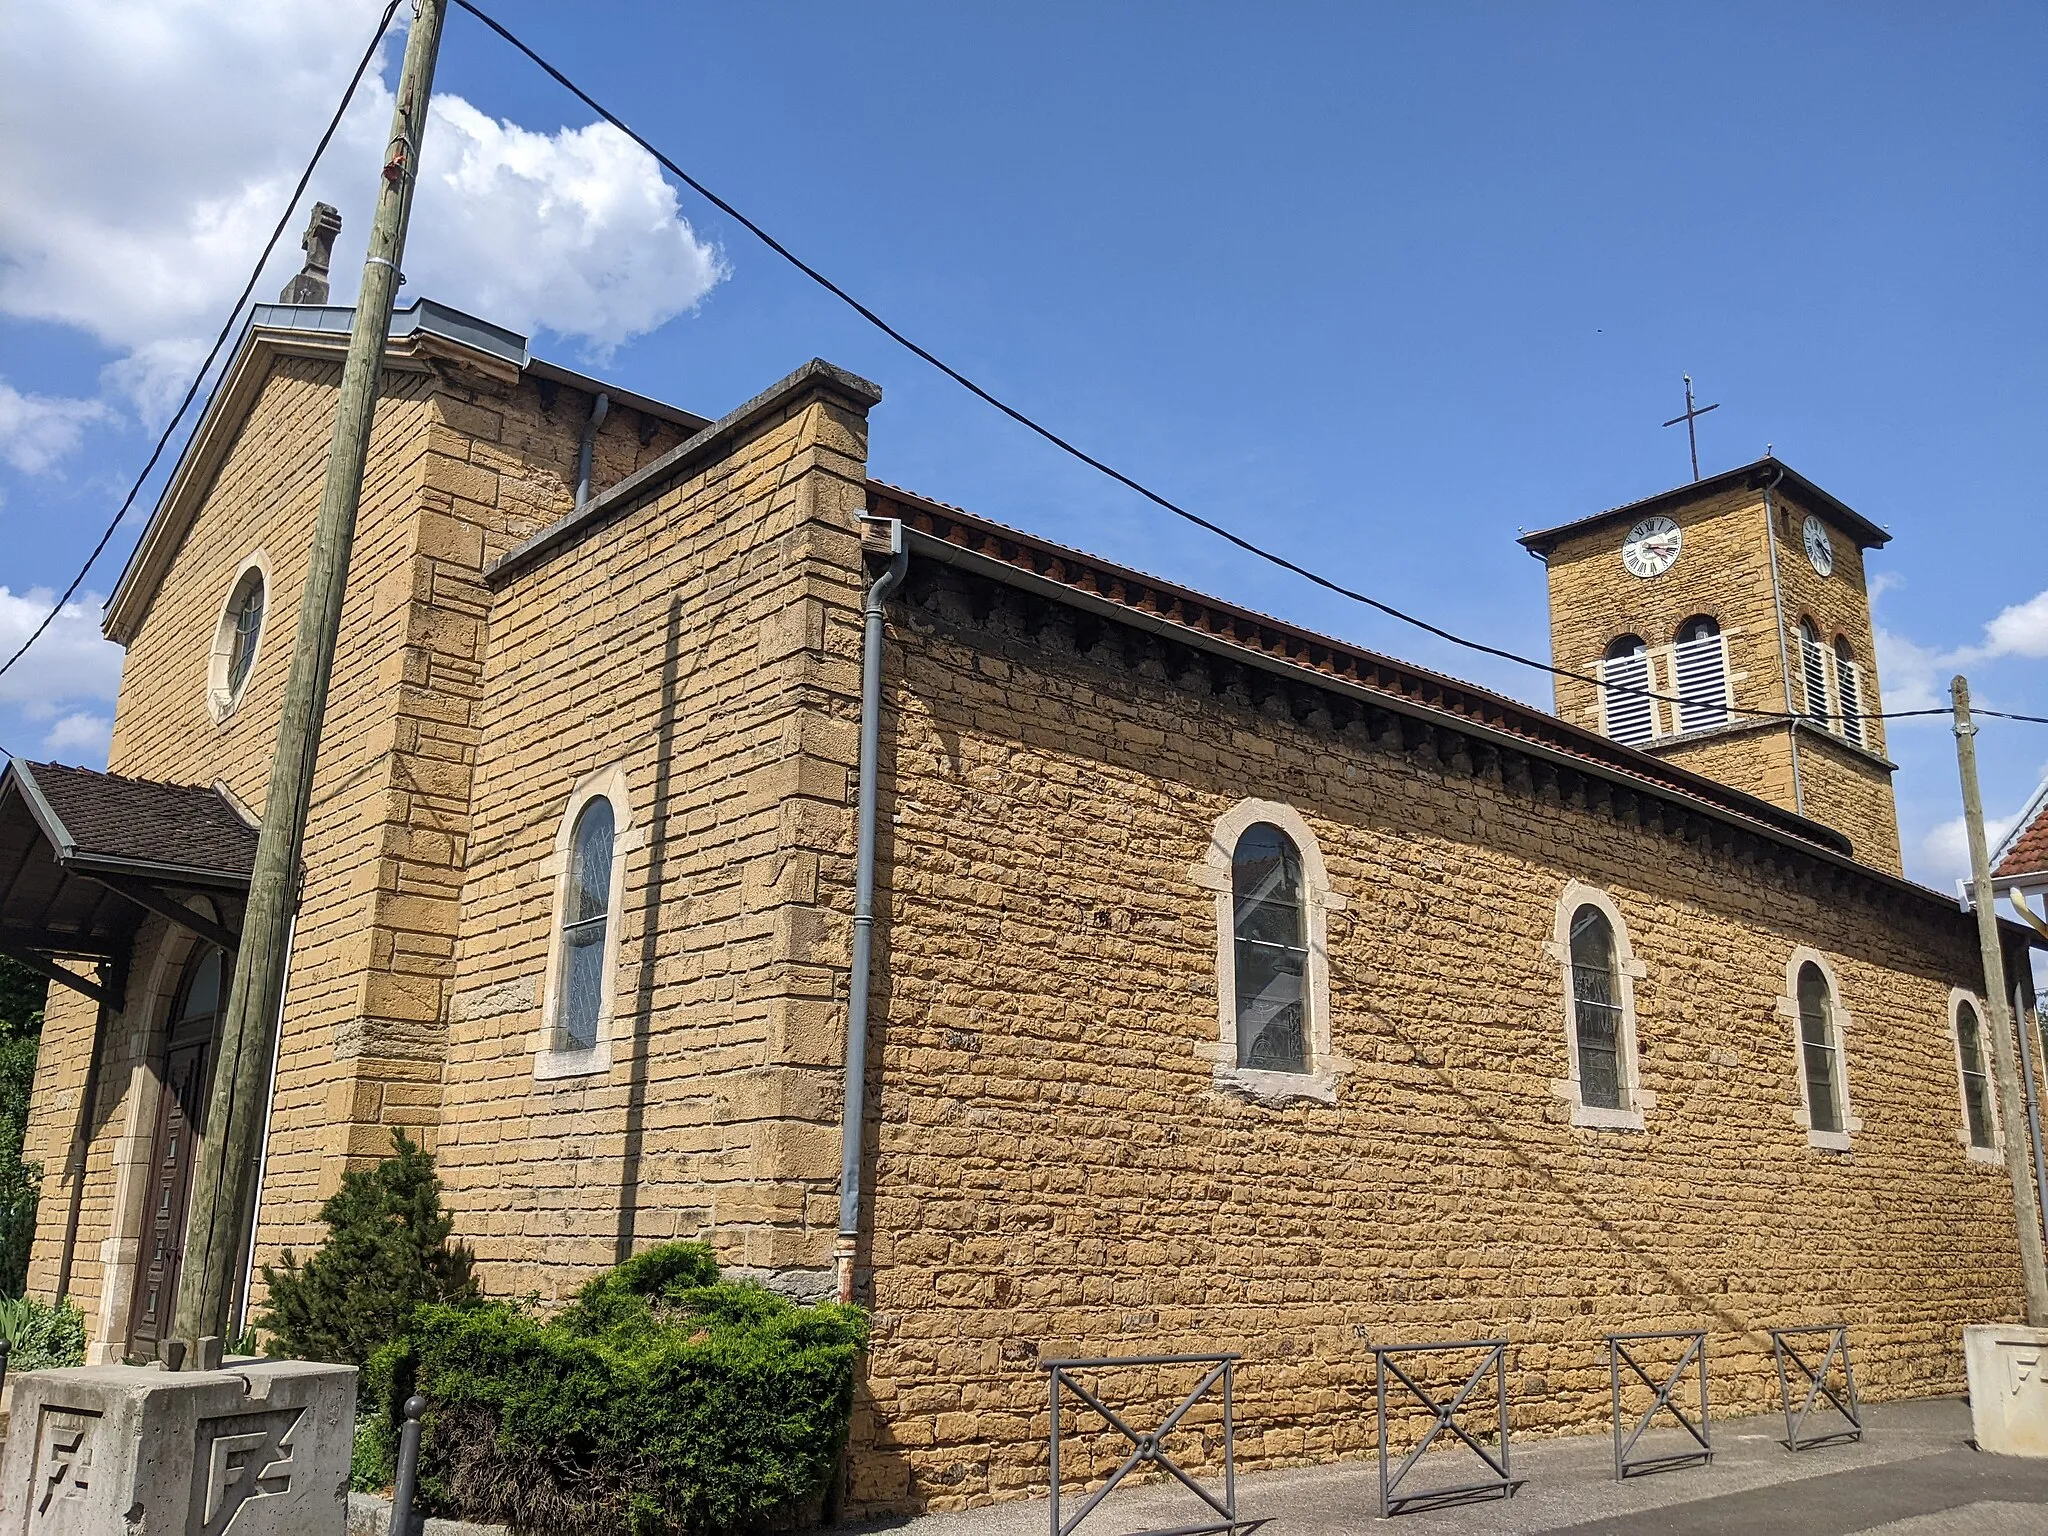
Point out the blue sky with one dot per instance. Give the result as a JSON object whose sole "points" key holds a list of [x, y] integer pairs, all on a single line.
{"points": [[1375, 285]]}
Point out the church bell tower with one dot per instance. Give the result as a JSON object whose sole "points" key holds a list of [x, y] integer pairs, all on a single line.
{"points": [[1737, 600]]}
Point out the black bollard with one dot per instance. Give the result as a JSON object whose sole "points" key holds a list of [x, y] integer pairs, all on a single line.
{"points": [[402, 1521]]}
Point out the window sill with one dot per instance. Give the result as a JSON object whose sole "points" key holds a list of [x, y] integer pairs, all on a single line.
{"points": [[1275, 1089], [1828, 1141], [1990, 1157], [552, 1065], [1587, 1117]]}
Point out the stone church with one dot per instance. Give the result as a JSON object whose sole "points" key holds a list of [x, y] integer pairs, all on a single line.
{"points": [[1232, 987]]}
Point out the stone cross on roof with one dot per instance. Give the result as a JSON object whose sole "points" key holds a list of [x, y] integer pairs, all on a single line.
{"points": [[310, 286]]}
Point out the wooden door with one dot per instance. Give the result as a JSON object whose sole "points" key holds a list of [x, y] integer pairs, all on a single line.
{"points": [[170, 1190], [181, 1111]]}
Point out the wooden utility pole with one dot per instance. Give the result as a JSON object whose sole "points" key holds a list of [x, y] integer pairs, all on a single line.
{"points": [[1997, 1004], [216, 1234]]}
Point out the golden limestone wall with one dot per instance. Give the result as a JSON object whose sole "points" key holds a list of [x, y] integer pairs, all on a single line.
{"points": [[461, 466], [678, 655], [1058, 1175]]}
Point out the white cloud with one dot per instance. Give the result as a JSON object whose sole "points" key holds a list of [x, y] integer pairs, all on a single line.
{"points": [[183, 126], [1912, 676], [71, 665], [2021, 630], [38, 430], [1945, 849], [80, 737]]}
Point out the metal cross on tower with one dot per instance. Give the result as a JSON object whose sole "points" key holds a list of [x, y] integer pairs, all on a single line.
{"points": [[1690, 416]]}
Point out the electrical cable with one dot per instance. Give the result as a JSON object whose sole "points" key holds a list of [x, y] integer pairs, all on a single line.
{"points": [[1221, 532], [226, 330]]}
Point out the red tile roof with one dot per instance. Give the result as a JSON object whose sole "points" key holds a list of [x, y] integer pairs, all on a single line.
{"points": [[1160, 603], [2025, 849]]}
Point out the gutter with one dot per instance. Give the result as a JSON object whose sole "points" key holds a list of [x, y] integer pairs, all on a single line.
{"points": [[1825, 847], [599, 409], [854, 1114]]}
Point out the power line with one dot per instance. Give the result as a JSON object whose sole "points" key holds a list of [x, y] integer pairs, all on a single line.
{"points": [[226, 330], [968, 384]]}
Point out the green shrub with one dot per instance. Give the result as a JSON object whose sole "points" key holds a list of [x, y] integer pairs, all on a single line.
{"points": [[386, 1252], [660, 1401], [41, 1337], [22, 996]]}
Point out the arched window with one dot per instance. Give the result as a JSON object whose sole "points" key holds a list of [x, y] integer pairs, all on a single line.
{"points": [[1849, 690], [1590, 946], [1976, 1082], [586, 918], [1629, 711], [1270, 928], [1596, 1010], [1273, 900], [1820, 1050], [1699, 661], [1813, 672]]}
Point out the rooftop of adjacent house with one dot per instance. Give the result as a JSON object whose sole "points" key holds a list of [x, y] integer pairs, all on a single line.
{"points": [[1767, 471], [2022, 858]]}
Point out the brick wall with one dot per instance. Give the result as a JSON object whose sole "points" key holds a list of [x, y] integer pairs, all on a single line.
{"points": [[1057, 1174]]}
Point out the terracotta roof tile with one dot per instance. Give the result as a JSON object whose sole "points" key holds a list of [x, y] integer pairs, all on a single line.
{"points": [[2025, 852], [1158, 599]]}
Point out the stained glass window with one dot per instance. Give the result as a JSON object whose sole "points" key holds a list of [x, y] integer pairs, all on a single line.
{"points": [[1271, 933], [1976, 1086], [585, 917], [1818, 1049], [1596, 1011], [246, 613]]}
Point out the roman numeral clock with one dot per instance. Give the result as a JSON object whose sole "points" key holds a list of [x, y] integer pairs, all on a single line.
{"points": [[1652, 547]]}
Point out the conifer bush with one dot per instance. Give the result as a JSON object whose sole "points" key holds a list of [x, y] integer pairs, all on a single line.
{"points": [[661, 1401], [387, 1251]]}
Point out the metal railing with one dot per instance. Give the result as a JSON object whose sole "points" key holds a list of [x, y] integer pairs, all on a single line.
{"points": [[1493, 1363], [1818, 1385], [1148, 1449], [1620, 1352]]}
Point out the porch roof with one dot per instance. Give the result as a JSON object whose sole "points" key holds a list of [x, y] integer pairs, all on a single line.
{"points": [[84, 855]]}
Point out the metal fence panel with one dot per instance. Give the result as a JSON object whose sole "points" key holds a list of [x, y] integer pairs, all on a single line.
{"points": [[1621, 1350], [1147, 1447], [1493, 1363], [1818, 1385]]}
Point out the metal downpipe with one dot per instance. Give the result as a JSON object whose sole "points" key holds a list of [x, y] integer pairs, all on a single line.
{"points": [[854, 1115], [1784, 646], [598, 410]]}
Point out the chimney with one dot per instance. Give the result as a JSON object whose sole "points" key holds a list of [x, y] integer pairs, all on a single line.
{"points": [[310, 286]]}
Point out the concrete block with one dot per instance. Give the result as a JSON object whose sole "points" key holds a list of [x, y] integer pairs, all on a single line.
{"points": [[259, 1448], [2008, 1367]]}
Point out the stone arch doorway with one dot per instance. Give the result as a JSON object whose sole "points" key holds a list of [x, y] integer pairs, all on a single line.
{"points": [[184, 1073]]}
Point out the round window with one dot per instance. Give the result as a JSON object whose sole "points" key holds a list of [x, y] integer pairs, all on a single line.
{"points": [[237, 638]]}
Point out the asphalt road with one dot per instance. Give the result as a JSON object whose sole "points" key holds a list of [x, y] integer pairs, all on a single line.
{"points": [[1913, 1474]]}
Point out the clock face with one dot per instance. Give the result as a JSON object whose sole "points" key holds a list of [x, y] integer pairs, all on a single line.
{"points": [[1652, 546], [1818, 549]]}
